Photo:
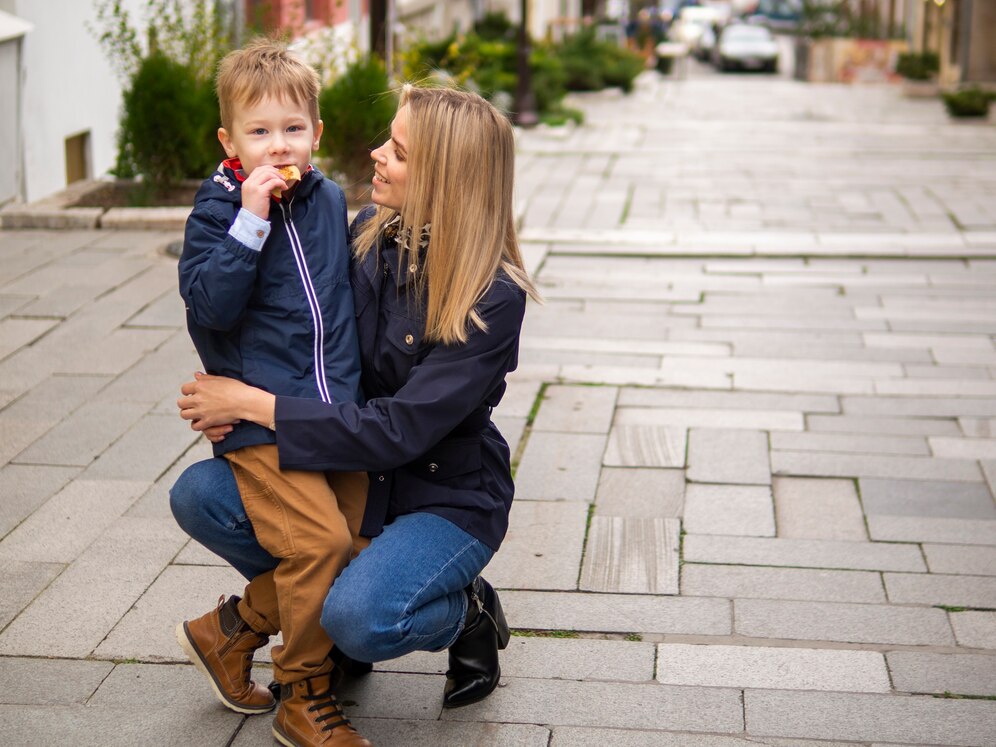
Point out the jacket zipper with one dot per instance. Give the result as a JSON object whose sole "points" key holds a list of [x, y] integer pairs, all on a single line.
{"points": [[309, 292]]}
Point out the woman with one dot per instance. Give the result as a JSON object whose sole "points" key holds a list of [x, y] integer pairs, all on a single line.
{"points": [[440, 292]]}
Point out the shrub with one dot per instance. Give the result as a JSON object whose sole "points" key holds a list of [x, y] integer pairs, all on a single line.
{"points": [[495, 25], [357, 110], [168, 124], [968, 102], [591, 64], [918, 65]]}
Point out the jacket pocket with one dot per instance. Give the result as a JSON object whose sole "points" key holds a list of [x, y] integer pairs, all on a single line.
{"points": [[456, 461]]}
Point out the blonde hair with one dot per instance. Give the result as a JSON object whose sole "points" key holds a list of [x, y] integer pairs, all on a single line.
{"points": [[461, 163], [264, 68]]}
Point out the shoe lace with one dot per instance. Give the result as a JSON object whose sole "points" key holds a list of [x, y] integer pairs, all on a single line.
{"points": [[327, 700]]}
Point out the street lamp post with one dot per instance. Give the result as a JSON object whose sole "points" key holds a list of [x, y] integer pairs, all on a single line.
{"points": [[525, 101]]}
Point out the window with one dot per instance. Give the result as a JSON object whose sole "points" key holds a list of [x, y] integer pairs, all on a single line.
{"points": [[78, 157]]}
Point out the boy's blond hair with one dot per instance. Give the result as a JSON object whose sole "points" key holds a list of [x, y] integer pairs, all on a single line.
{"points": [[264, 68]]}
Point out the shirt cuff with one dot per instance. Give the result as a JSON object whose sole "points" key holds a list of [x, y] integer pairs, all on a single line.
{"points": [[250, 229]]}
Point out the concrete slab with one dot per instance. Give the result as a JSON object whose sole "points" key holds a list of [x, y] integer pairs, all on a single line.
{"points": [[50, 681], [938, 589], [861, 717], [640, 493], [847, 623], [576, 409], [558, 466], [744, 510], [728, 456], [628, 555], [961, 559], [542, 549], [927, 498], [752, 582], [645, 446], [827, 509], [962, 674], [772, 668], [974, 629]]}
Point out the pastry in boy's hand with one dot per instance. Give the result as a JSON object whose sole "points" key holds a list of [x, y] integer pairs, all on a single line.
{"points": [[290, 174]]}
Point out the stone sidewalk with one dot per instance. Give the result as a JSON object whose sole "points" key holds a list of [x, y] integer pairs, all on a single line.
{"points": [[755, 428]]}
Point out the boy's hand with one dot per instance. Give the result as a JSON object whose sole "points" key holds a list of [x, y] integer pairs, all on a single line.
{"points": [[257, 187]]}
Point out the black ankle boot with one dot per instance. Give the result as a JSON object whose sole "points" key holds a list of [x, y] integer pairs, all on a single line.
{"points": [[474, 669]]}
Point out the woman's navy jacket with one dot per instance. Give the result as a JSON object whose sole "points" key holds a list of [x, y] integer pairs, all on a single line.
{"points": [[280, 319], [425, 434]]}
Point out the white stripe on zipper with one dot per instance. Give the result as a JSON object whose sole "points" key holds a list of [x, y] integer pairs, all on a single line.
{"points": [[312, 296]]}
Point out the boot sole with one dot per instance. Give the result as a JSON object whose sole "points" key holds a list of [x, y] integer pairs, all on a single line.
{"points": [[279, 735], [192, 652]]}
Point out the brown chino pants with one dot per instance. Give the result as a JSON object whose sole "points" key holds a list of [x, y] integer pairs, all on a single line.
{"points": [[311, 522]]}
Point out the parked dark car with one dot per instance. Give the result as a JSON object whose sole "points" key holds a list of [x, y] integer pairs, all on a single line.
{"points": [[746, 47]]}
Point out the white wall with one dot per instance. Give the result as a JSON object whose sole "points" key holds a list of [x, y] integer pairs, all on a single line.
{"points": [[8, 120], [69, 87]]}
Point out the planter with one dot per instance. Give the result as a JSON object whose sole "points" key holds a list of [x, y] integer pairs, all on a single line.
{"points": [[921, 89]]}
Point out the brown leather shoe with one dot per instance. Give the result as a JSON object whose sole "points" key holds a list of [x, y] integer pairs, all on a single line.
{"points": [[221, 645], [309, 714]]}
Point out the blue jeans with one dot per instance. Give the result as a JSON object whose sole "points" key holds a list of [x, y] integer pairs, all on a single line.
{"points": [[403, 593]]}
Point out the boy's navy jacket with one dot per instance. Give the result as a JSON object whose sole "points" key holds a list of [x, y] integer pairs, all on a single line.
{"points": [[282, 318], [425, 434]]}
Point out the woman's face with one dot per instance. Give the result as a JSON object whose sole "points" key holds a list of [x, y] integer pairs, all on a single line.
{"points": [[391, 165]]}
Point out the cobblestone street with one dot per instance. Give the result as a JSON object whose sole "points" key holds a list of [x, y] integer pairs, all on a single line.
{"points": [[755, 428]]}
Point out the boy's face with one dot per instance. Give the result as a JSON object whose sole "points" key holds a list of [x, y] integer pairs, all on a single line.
{"points": [[271, 132]]}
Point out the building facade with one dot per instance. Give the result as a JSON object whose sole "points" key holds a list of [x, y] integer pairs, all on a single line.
{"points": [[962, 33]]}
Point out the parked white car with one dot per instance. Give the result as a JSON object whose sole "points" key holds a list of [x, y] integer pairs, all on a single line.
{"points": [[746, 47]]}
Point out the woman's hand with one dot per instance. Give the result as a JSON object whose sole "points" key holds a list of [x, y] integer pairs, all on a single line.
{"points": [[212, 401]]}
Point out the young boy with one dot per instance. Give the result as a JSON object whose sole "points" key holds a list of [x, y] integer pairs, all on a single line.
{"points": [[265, 277]]}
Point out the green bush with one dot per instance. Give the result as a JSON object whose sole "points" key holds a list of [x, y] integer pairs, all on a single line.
{"points": [[495, 25], [591, 64], [357, 110], [168, 125], [968, 102], [918, 65]]}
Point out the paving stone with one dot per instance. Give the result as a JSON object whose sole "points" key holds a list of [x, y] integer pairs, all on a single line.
{"points": [[79, 438], [45, 405], [194, 553], [395, 696], [887, 718], [154, 502], [962, 559], [25, 488], [635, 556], [49, 681], [744, 510], [771, 668], [978, 427], [809, 403], [541, 658], [542, 549], [927, 498], [576, 409], [116, 569], [157, 375], [963, 448], [989, 470], [868, 556], [926, 426], [827, 509], [145, 632], [16, 333], [963, 674], [88, 726], [645, 446], [709, 418], [804, 463], [559, 466], [728, 456], [428, 733], [21, 583], [634, 706], [734, 581], [944, 407], [848, 623], [130, 456], [616, 613], [849, 443], [974, 629], [918, 529], [66, 525], [640, 493], [938, 589], [575, 736]]}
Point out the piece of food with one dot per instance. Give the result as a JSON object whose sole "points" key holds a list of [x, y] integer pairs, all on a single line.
{"points": [[290, 174]]}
